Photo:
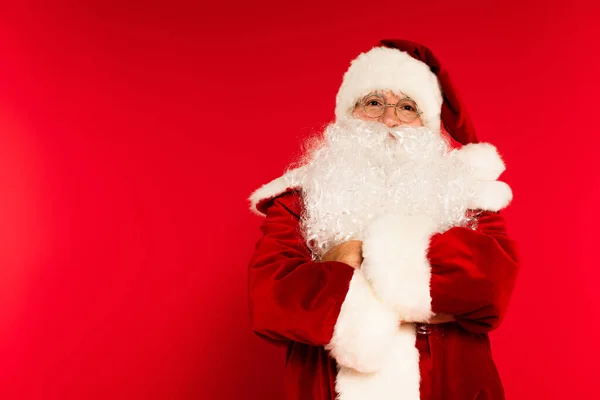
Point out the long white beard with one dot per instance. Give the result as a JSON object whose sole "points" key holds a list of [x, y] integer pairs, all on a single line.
{"points": [[358, 172]]}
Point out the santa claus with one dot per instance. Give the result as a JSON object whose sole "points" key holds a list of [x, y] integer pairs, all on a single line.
{"points": [[384, 261]]}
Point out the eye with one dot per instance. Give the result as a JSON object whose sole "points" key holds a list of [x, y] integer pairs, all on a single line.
{"points": [[373, 101], [408, 106]]}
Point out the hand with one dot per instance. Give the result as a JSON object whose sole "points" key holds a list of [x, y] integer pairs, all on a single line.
{"points": [[441, 318], [349, 252]]}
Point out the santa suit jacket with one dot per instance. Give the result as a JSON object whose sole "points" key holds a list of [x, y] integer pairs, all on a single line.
{"points": [[296, 302]]}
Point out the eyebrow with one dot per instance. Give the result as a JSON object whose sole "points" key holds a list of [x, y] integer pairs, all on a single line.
{"points": [[378, 93]]}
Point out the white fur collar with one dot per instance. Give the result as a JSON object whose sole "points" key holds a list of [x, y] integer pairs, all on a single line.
{"points": [[288, 181]]}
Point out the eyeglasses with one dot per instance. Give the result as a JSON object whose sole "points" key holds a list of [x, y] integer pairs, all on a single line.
{"points": [[374, 106]]}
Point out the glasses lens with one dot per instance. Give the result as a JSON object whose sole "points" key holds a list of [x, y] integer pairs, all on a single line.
{"points": [[407, 110], [374, 106]]}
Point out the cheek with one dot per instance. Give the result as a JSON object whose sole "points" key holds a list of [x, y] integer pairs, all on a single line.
{"points": [[416, 122], [359, 114]]}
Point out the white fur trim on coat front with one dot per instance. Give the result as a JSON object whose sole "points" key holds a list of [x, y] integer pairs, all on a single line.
{"points": [[398, 377], [395, 264], [384, 68], [364, 330]]}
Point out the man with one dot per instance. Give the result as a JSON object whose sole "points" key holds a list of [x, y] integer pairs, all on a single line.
{"points": [[383, 262]]}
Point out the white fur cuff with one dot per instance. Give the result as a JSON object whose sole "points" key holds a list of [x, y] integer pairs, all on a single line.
{"points": [[364, 330], [396, 264]]}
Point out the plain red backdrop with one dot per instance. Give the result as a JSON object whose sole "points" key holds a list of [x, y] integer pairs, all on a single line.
{"points": [[132, 132]]}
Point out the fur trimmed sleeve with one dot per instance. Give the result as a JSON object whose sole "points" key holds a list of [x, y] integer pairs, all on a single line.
{"points": [[473, 273], [396, 264], [329, 304]]}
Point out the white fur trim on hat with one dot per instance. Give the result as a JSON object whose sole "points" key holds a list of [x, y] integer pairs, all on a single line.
{"points": [[384, 68]]}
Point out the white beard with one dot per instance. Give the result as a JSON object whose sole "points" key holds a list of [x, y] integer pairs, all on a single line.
{"points": [[358, 172]]}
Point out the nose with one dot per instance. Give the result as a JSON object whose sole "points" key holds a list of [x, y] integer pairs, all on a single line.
{"points": [[389, 117]]}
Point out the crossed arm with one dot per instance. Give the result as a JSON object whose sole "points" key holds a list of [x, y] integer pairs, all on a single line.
{"points": [[292, 297], [350, 253]]}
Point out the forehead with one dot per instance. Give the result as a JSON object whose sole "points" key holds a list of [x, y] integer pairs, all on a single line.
{"points": [[388, 94]]}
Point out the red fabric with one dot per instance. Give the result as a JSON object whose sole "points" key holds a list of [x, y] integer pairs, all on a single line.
{"points": [[454, 115], [474, 272], [292, 297], [295, 301]]}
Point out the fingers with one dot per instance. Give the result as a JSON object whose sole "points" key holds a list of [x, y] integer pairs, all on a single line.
{"points": [[441, 318], [349, 252]]}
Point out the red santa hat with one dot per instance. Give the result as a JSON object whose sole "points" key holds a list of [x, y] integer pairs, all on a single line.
{"points": [[410, 68]]}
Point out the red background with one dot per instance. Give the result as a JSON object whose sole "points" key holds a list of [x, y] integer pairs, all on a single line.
{"points": [[131, 134]]}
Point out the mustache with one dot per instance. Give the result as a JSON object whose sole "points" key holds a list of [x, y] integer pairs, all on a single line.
{"points": [[371, 135]]}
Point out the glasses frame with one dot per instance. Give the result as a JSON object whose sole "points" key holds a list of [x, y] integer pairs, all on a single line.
{"points": [[386, 105]]}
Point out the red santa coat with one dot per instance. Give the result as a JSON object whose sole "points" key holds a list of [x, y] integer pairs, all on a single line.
{"points": [[295, 301]]}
